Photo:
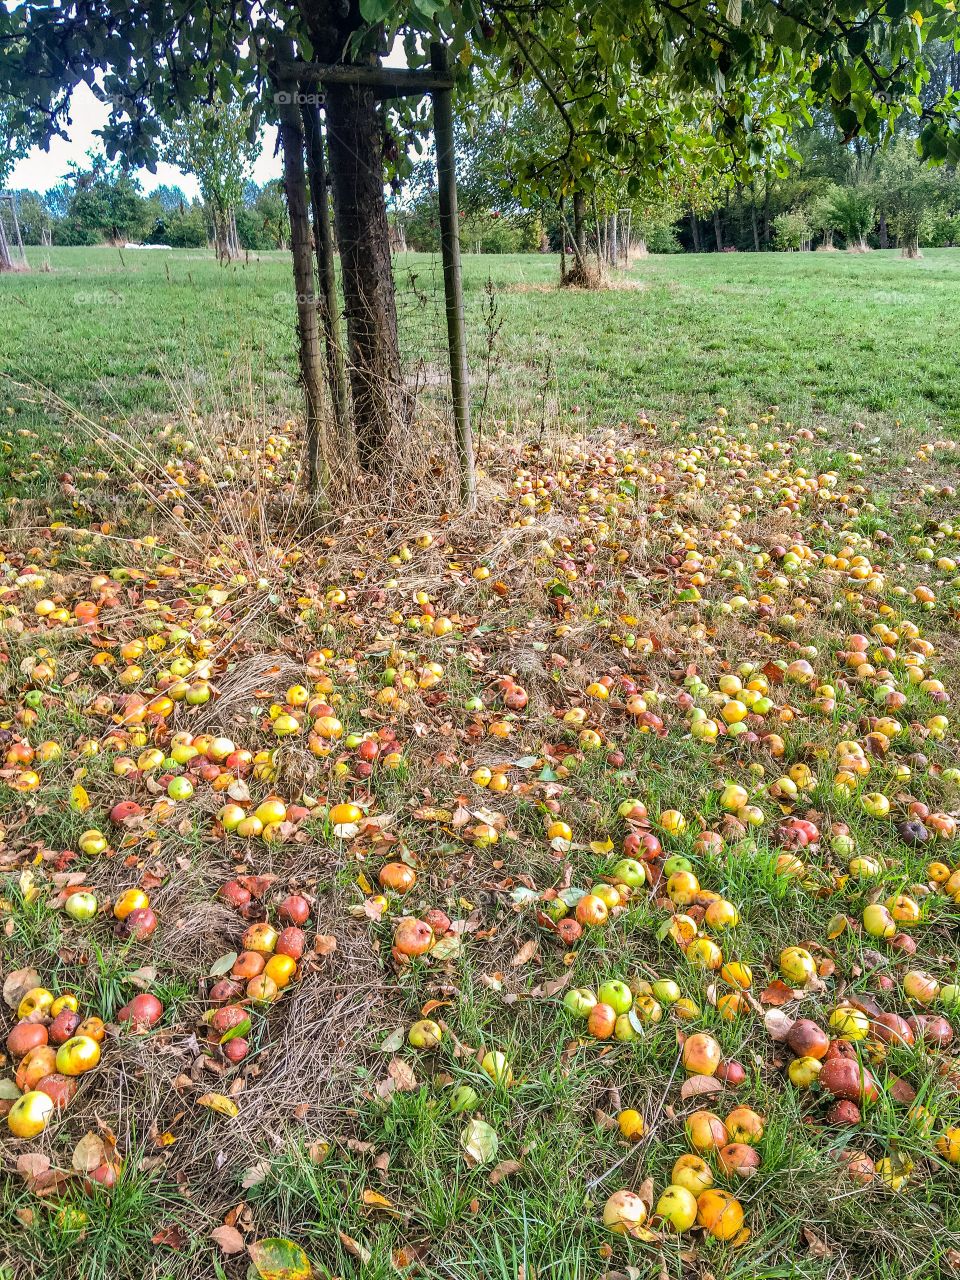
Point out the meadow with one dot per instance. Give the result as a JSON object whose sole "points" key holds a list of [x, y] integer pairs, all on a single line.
{"points": [[425, 895]]}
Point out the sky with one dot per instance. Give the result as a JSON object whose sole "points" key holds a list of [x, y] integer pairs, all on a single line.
{"points": [[41, 169]]}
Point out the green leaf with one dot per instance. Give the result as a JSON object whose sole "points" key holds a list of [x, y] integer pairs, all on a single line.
{"points": [[241, 1029], [280, 1260], [223, 965], [377, 10]]}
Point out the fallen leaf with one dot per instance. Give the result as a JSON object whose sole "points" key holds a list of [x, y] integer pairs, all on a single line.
{"points": [[229, 1239], [217, 1102], [697, 1086], [32, 1164], [17, 984], [374, 1200], [325, 944], [550, 988], [526, 953], [277, 1259], [172, 1236], [778, 1024], [778, 993], [402, 1075], [354, 1248], [503, 1170], [255, 1174], [816, 1245], [88, 1154], [479, 1142]]}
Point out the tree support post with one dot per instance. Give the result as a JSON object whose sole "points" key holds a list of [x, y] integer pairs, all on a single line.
{"points": [[301, 244], [329, 303], [452, 278]]}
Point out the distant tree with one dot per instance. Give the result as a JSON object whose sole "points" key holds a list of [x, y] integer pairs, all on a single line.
{"points": [[106, 203], [852, 212], [821, 215], [36, 220], [217, 143], [170, 198], [909, 193]]}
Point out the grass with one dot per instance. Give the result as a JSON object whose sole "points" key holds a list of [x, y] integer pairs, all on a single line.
{"points": [[319, 1135], [829, 338]]}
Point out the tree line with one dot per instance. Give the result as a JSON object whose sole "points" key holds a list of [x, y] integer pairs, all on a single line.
{"points": [[102, 203]]}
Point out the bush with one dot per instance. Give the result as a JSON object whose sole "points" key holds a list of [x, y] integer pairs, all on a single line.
{"points": [[791, 230], [944, 231], [71, 233], [183, 229], [663, 239]]}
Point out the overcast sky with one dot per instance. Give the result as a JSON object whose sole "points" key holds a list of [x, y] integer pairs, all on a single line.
{"points": [[41, 170]]}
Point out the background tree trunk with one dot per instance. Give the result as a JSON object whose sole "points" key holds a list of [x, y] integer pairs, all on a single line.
{"points": [[580, 224], [695, 231], [884, 237], [717, 231], [381, 403]]}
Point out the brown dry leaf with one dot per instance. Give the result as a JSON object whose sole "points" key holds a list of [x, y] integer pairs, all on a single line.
{"points": [[24, 1216], [228, 1238], [550, 988], [17, 984], [402, 1075], [817, 1246], [355, 1248], [143, 979], [172, 1236], [325, 944], [646, 1193], [778, 1024], [503, 1170], [318, 1151], [697, 1086], [88, 1154], [32, 1164], [525, 954], [777, 994]]}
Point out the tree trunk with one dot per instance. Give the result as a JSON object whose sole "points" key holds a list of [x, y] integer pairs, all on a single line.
{"points": [[695, 231], [381, 403], [766, 212], [613, 240], [326, 272], [717, 231], [580, 224], [301, 244], [753, 217], [884, 236]]}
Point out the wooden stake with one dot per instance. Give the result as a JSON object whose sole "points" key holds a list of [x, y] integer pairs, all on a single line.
{"points": [[452, 279]]}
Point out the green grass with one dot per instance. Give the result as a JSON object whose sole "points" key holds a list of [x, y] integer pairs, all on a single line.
{"points": [[830, 338]]}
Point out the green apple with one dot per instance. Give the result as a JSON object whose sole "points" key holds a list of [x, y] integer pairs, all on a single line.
{"points": [[81, 906], [579, 1001], [630, 872], [623, 1028], [617, 995], [676, 862], [667, 991]]}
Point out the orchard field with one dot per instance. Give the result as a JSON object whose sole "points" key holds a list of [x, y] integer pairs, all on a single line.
{"points": [[426, 895]]}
